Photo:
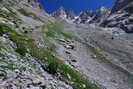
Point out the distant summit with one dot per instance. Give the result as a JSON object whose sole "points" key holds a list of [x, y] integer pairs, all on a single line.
{"points": [[64, 13], [120, 16], [85, 17]]}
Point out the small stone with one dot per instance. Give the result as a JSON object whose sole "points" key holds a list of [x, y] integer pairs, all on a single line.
{"points": [[94, 56], [67, 52], [17, 71], [69, 47], [73, 60], [69, 77], [36, 83], [5, 9], [68, 42], [62, 40], [43, 86], [2, 74], [5, 36], [28, 86], [3, 22], [10, 23], [84, 86], [72, 46]]}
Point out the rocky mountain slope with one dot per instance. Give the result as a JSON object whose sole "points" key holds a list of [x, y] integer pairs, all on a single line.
{"points": [[89, 17], [28, 50], [38, 51], [121, 16]]}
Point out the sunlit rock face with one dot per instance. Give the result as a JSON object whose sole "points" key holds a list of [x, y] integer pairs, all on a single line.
{"points": [[120, 4], [64, 14], [85, 17], [121, 16]]}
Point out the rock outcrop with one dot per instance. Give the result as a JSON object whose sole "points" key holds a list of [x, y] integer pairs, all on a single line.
{"points": [[64, 13], [121, 16]]}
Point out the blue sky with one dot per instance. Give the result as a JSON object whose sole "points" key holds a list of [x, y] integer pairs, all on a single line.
{"points": [[76, 5]]}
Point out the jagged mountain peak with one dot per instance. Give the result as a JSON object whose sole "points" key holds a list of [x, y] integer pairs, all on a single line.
{"points": [[93, 17], [103, 9], [120, 4], [84, 17], [64, 13], [121, 16]]}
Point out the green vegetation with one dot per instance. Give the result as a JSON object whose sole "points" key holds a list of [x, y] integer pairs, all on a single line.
{"points": [[1, 56], [9, 66], [56, 30], [8, 15], [24, 12], [21, 50], [53, 64], [70, 36], [4, 29], [28, 14], [77, 80], [15, 37]]}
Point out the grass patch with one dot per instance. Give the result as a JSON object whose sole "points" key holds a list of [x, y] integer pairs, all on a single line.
{"points": [[8, 15], [4, 29], [56, 30], [52, 66], [21, 50], [76, 80], [24, 12], [1, 56], [70, 36], [15, 37], [50, 34], [28, 14], [9, 67]]}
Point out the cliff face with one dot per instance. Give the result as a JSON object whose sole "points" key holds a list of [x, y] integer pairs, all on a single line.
{"points": [[120, 4], [121, 16]]}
